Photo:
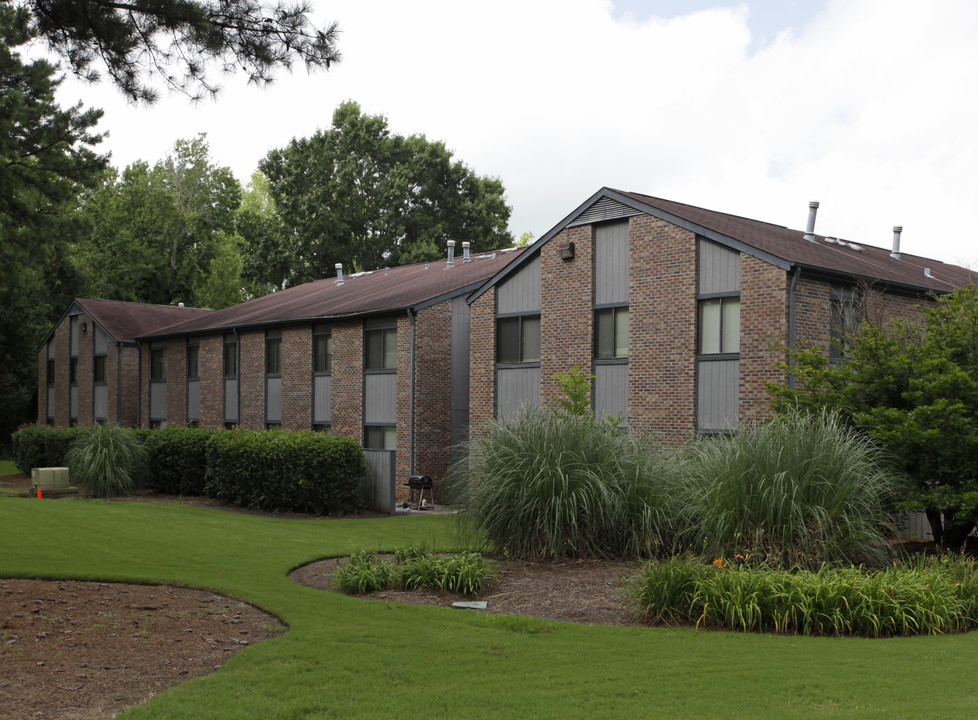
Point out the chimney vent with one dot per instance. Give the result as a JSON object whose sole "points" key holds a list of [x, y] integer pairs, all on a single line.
{"points": [[466, 257], [897, 229], [810, 230], [339, 273], [451, 253], [927, 273]]}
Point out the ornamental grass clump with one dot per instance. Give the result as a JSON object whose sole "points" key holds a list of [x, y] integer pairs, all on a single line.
{"points": [[798, 490], [106, 461], [921, 597], [548, 485]]}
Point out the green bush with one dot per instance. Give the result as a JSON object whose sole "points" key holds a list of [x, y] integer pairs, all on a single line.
{"points": [[549, 485], [293, 471], [798, 490], [414, 569], [922, 597], [106, 461], [42, 445], [178, 460]]}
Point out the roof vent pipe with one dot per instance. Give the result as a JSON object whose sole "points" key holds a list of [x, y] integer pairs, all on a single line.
{"points": [[810, 230], [339, 273], [897, 229], [466, 257], [927, 273], [451, 253]]}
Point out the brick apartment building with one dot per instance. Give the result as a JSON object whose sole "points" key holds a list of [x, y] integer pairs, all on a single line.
{"points": [[681, 314]]}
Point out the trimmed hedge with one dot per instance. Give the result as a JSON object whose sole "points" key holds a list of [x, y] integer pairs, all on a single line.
{"points": [[178, 460], [42, 445], [294, 471]]}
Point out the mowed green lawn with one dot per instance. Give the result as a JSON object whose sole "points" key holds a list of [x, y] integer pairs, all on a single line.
{"points": [[349, 658]]}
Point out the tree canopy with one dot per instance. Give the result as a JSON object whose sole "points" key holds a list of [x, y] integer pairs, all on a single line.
{"points": [[365, 197], [179, 42], [164, 234], [913, 386]]}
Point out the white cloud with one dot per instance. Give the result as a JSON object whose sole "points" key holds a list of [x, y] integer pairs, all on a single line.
{"points": [[866, 105]]}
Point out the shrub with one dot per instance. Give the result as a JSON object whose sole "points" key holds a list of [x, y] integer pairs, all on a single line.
{"points": [[42, 445], [294, 471], [414, 569], [549, 485], [798, 490], [106, 461], [178, 460], [929, 596]]}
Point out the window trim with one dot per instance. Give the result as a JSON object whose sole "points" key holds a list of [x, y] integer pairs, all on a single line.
{"points": [[384, 327], [230, 343], [326, 333], [721, 354], [522, 361], [273, 339], [379, 426], [154, 352], [193, 345], [614, 308]]}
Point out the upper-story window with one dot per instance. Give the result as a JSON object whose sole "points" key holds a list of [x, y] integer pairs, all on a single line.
{"points": [[322, 350], [719, 325], [273, 352], [193, 360], [157, 364], [98, 369], [611, 333], [230, 358], [844, 323], [518, 339], [380, 348]]}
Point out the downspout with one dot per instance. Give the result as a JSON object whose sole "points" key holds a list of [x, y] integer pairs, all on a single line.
{"points": [[412, 316], [139, 384], [791, 325]]}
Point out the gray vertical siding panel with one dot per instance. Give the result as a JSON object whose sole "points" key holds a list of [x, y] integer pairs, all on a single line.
{"points": [[273, 400], [717, 395], [516, 388], [193, 400], [521, 293], [380, 398], [73, 336], [101, 342], [322, 394], [157, 401], [231, 401], [100, 402], [73, 402], [611, 263], [379, 484], [611, 391], [719, 268], [51, 402], [459, 421], [51, 350]]}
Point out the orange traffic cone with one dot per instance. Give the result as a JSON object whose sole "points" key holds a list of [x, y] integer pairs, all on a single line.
{"points": [[39, 495]]}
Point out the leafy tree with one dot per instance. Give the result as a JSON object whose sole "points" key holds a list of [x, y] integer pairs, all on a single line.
{"points": [[178, 41], [360, 195], [46, 160], [164, 234], [261, 231], [913, 387]]}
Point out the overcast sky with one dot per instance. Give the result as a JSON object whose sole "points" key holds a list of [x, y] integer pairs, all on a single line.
{"points": [[752, 108]]}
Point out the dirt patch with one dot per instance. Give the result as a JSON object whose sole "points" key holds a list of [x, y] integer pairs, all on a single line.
{"points": [[88, 650], [580, 591]]}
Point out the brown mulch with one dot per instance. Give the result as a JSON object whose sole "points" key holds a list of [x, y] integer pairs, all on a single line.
{"points": [[85, 650]]}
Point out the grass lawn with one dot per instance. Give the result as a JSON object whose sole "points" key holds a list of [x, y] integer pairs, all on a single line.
{"points": [[7, 467], [348, 658]]}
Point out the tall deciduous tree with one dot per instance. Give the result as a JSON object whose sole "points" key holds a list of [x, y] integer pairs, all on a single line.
{"points": [[178, 42], [363, 196], [913, 387], [164, 234]]}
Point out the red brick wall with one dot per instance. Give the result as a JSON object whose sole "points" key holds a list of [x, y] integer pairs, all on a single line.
{"points": [[61, 351], [42, 384], [482, 361], [130, 388], [297, 378], [566, 309], [85, 347], [211, 362], [251, 380], [176, 381], [662, 332], [347, 384], [763, 327], [432, 393]]}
